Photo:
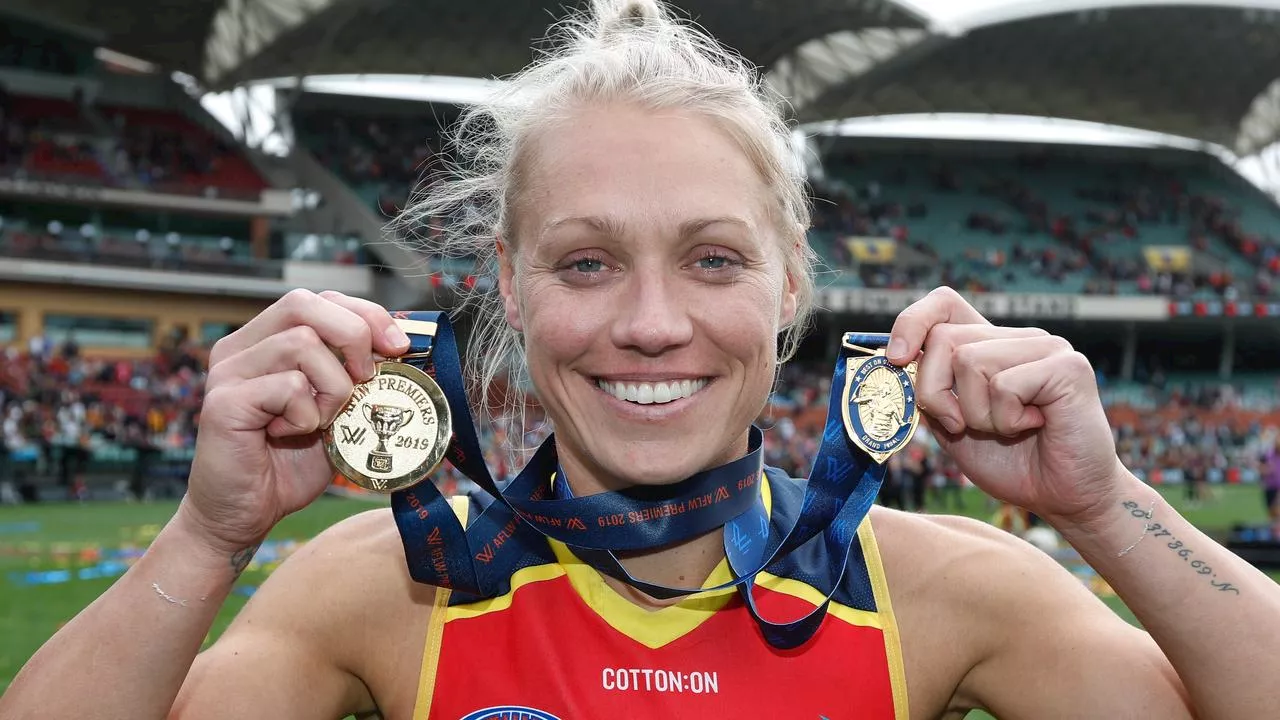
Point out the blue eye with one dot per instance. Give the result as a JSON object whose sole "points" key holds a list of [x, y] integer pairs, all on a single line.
{"points": [[713, 262], [588, 265]]}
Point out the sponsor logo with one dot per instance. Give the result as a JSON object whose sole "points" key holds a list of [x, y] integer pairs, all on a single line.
{"points": [[509, 712], [697, 682]]}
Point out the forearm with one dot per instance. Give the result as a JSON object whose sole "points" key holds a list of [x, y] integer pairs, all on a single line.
{"points": [[1213, 615], [127, 654]]}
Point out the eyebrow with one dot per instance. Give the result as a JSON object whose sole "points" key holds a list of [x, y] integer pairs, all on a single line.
{"points": [[613, 227]]}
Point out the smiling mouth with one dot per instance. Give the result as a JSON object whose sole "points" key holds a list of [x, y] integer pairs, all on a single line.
{"points": [[651, 393]]}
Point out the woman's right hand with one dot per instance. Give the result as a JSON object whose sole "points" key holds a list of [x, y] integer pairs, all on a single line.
{"points": [[272, 387]]}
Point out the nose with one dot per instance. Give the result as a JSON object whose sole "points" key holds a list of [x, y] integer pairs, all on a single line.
{"points": [[653, 315]]}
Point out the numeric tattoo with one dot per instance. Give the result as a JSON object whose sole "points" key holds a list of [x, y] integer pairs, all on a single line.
{"points": [[1177, 546]]}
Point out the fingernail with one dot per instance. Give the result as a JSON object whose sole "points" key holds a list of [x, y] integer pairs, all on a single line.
{"points": [[952, 425], [897, 347], [396, 336]]}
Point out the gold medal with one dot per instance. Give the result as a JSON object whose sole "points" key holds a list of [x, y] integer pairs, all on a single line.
{"points": [[879, 408], [393, 432]]}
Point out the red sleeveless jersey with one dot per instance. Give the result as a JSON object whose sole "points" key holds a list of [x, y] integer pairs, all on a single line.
{"points": [[563, 645]]}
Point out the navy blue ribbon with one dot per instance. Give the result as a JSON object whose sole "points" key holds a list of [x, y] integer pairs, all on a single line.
{"points": [[478, 560]]}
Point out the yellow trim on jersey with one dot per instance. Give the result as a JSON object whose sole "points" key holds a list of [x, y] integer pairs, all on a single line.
{"points": [[892, 640], [806, 592], [651, 628], [435, 634], [522, 577]]}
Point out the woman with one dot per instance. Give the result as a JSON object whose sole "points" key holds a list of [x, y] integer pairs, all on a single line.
{"points": [[649, 229]]}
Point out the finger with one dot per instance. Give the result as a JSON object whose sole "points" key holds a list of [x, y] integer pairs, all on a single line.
{"points": [[974, 364], [935, 373], [942, 305], [298, 348], [1019, 394], [280, 403], [292, 402], [388, 339], [337, 326]]}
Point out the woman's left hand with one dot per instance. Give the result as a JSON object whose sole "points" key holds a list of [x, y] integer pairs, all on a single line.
{"points": [[1017, 408]]}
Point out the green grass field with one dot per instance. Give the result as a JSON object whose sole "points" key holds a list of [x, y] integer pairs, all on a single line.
{"points": [[74, 539]]}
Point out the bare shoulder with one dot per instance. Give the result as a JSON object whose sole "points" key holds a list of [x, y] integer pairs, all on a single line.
{"points": [[983, 615], [341, 614], [954, 566], [922, 550]]}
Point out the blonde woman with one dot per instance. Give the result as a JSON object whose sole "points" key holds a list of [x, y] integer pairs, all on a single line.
{"points": [[634, 190]]}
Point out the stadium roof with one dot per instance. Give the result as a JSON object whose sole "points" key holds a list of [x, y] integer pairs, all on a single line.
{"points": [[484, 38], [1202, 69], [169, 32], [1188, 69]]}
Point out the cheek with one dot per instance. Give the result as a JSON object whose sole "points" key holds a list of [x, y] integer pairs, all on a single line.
{"points": [[745, 319], [557, 325]]}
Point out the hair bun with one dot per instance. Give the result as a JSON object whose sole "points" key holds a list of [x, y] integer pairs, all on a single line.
{"points": [[619, 16]]}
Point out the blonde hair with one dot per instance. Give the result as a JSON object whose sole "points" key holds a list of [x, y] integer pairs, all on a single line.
{"points": [[631, 51]]}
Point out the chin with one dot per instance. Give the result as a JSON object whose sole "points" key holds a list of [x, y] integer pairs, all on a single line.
{"points": [[653, 463]]}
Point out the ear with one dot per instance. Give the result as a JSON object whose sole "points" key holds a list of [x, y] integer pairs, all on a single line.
{"points": [[790, 296], [506, 286]]}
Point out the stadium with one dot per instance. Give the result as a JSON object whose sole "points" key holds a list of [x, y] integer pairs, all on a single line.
{"points": [[1103, 170]]}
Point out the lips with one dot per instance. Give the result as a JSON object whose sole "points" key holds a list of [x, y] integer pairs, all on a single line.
{"points": [[651, 393]]}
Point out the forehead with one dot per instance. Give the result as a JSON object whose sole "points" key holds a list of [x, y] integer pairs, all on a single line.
{"points": [[644, 166]]}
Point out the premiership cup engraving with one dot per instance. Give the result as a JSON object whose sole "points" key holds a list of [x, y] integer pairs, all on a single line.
{"points": [[387, 420], [393, 432]]}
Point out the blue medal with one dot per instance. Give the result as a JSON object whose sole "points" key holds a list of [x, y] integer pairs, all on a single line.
{"points": [[871, 414]]}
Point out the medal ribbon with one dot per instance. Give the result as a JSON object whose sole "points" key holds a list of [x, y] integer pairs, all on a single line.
{"points": [[479, 560]]}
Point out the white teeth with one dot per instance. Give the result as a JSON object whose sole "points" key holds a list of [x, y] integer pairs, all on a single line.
{"points": [[662, 393], [652, 393]]}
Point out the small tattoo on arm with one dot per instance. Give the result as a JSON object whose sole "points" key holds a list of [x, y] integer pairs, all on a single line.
{"points": [[240, 559], [1174, 545]]}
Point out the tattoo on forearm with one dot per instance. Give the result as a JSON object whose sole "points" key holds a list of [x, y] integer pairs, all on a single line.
{"points": [[1173, 544], [240, 559]]}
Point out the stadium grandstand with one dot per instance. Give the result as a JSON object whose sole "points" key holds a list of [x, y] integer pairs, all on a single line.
{"points": [[169, 169], [136, 227]]}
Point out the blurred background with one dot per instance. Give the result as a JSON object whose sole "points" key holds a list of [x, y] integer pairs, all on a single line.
{"points": [[1105, 170]]}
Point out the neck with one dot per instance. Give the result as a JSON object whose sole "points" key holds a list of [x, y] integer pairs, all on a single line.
{"points": [[684, 564]]}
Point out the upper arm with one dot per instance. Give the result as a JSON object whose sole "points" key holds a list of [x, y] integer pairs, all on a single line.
{"points": [[1049, 646], [296, 649]]}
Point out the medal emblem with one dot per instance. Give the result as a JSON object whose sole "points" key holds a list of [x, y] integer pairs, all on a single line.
{"points": [[879, 404], [393, 432]]}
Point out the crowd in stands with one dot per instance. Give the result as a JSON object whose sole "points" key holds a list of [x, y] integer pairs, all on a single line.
{"points": [[1119, 210], [389, 155], [1201, 435], [164, 151], [61, 411], [45, 138], [161, 150]]}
